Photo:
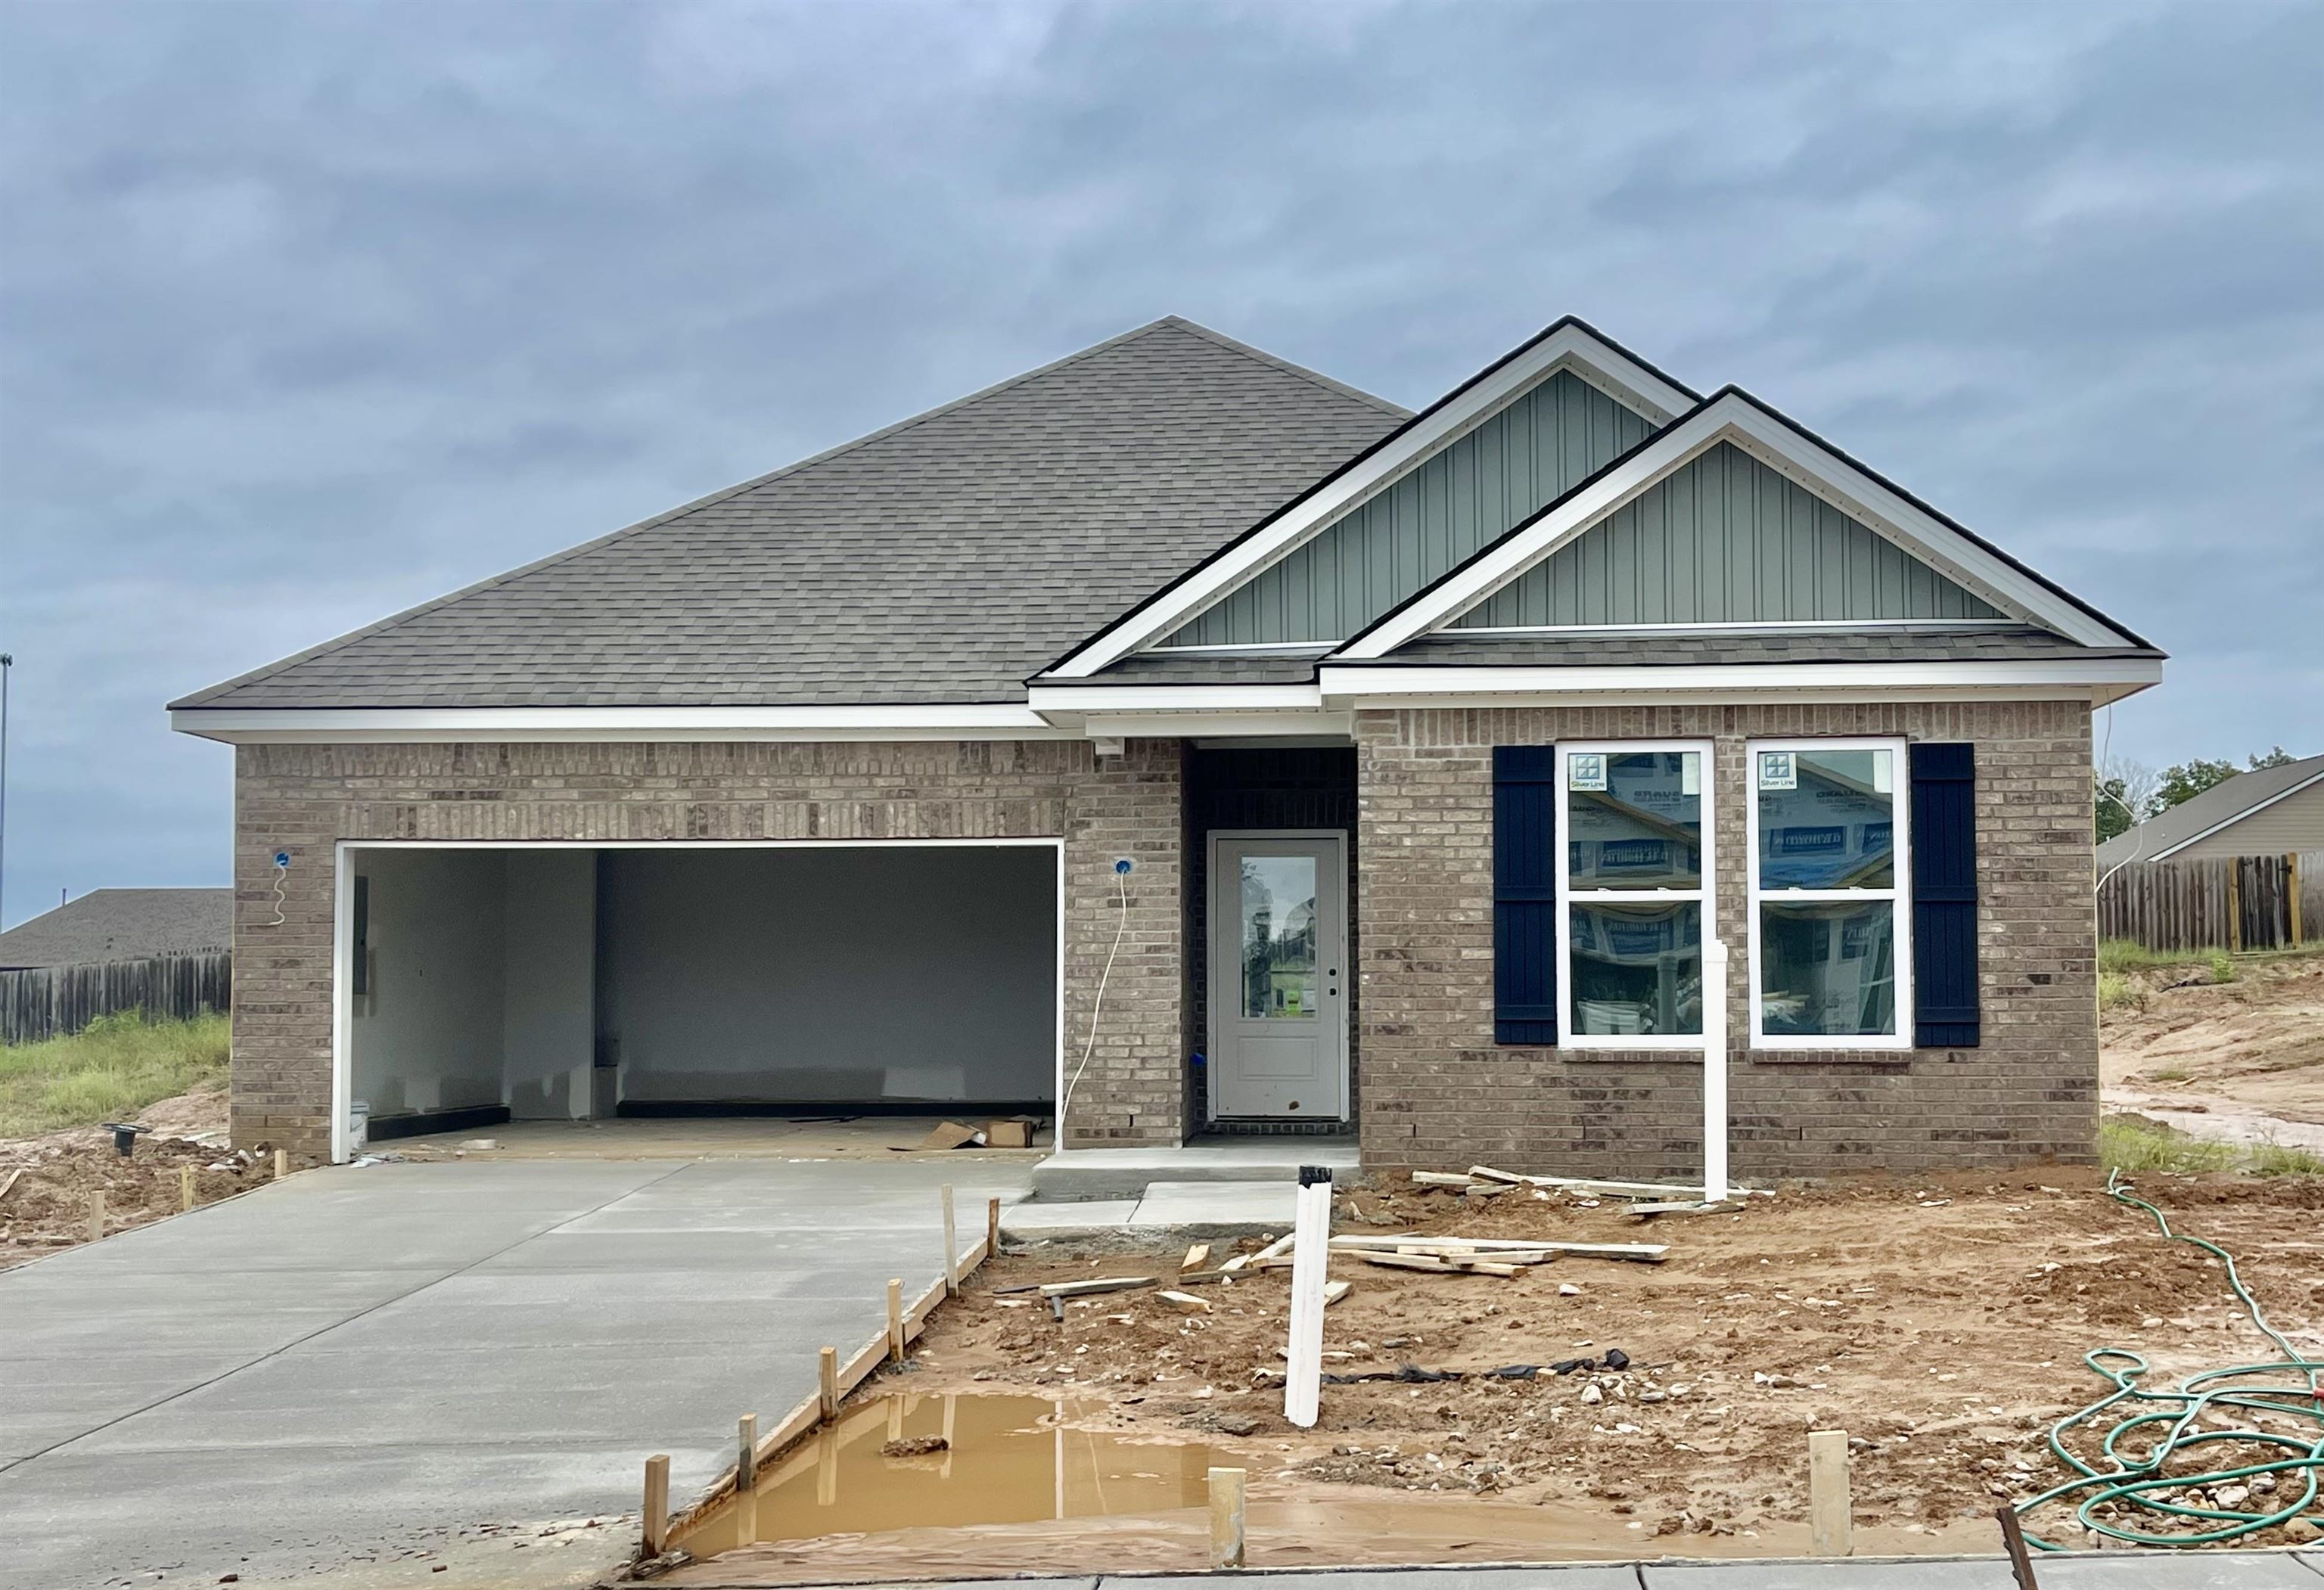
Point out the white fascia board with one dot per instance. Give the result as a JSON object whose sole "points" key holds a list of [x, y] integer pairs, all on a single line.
{"points": [[431, 725], [1058, 700], [2196, 839], [1344, 684], [1317, 723], [1568, 348], [1728, 418]]}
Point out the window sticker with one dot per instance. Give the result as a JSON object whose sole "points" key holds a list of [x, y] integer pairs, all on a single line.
{"points": [[1585, 770], [1778, 770]]}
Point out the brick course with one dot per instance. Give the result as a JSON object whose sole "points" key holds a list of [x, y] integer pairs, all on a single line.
{"points": [[1439, 1092], [304, 799]]}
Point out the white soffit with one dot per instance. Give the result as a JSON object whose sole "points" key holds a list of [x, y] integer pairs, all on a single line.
{"points": [[1731, 416], [1568, 345]]}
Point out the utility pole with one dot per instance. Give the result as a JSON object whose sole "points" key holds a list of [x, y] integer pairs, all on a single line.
{"points": [[6, 663]]}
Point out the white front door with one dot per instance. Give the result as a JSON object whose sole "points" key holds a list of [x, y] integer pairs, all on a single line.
{"points": [[1279, 1011]]}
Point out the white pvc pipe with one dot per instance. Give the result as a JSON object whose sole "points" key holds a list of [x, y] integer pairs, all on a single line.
{"points": [[1311, 1252], [1714, 1071]]}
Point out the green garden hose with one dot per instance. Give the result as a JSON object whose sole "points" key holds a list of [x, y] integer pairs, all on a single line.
{"points": [[2136, 1482]]}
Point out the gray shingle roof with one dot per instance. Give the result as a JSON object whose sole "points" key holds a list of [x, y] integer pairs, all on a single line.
{"points": [[123, 924], [2224, 801], [943, 559]]}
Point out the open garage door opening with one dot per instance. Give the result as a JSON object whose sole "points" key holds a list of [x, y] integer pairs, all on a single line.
{"points": [[482, 984]]}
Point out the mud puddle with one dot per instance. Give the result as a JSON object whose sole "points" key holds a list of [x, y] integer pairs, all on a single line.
{"points": [[1002, 1460], [1023, 1484]]}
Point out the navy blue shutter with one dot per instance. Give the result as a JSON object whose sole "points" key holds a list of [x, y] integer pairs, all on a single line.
{"points": [[1944, 897], [1524, 893]]}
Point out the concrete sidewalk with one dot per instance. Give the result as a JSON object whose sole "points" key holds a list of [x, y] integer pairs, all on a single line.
{"points": [[356, 1363], [2110, 1570]]}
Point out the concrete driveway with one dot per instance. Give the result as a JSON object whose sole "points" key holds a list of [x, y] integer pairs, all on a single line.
{"points": [[354, 1365]]}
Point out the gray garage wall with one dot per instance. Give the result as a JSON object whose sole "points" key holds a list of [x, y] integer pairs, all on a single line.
{"points": [[927, 972], [427, 1033], [551, 935]]}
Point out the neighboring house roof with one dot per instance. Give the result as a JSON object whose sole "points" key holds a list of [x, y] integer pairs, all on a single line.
{"points": [[943, 559], [123, 924], [2220, 806]]}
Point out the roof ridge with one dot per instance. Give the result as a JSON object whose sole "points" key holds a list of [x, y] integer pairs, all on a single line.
{"points": [[1276, 362], [380, 626]]}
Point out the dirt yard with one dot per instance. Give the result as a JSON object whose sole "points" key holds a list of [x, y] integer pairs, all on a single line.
{"points": [[47, 1208], [1941, 1322], [2251, 1048]]}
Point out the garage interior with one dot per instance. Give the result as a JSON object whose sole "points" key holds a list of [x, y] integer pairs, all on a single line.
{"points": [[568, 984]]}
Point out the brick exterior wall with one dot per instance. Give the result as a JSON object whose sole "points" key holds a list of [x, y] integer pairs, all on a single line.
{"points": [[1439, 1093], [304, 799]]}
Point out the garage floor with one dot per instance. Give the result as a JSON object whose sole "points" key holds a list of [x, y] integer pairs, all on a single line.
{"points": [[355, 1364], [676, 1137]]}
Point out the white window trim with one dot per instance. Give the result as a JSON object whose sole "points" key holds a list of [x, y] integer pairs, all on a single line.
{"points": [[1568, 896], [1899, 894]]}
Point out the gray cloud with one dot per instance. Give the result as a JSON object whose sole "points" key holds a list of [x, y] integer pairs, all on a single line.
{"points": [[311, 312]]}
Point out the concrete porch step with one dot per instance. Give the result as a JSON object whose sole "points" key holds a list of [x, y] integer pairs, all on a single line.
{"points": [[1082, 1174]]}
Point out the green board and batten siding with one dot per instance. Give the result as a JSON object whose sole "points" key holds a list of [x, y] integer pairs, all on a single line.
{"points": [[1488, 481], [1726, 539]]}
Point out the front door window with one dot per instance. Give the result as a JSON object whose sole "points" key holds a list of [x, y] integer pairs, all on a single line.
{"points": [[1279, 938]]}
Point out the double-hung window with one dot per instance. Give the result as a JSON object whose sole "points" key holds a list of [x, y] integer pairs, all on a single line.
{"points": [[1831, 953], [1637, 895]]}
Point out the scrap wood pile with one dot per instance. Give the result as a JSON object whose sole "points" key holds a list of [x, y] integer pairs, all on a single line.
{"points": [[1503, 1256]]}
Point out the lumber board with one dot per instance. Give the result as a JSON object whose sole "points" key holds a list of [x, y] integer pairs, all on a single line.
{"points": [[1644, 1253], [1082, 1289]]}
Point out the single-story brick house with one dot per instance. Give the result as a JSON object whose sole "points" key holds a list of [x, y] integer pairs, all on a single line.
{"points": [[1437, 745]]}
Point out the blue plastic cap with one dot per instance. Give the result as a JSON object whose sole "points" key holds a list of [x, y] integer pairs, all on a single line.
{"points": [[1124, 865]]}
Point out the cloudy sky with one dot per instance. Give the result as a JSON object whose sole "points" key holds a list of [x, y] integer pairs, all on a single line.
{"points": [[313, 311]]}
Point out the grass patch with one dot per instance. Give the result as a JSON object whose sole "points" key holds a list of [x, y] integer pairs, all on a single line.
{"points": [[2132, 1145], [2169, 1073], [113, 1068], [2122, 956], [2118, 990]]}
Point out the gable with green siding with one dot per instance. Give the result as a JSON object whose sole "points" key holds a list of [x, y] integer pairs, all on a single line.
{"points": [[1468, 494], [1726, 539]]}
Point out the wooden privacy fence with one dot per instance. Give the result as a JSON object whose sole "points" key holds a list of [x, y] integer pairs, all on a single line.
{"points": [[50, 1001], [2232, 903]]}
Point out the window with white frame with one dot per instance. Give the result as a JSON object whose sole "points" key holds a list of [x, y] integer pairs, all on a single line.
{"points": [[1635, 894], [1831, 936]]}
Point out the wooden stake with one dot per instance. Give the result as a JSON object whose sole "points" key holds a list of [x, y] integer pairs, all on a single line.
{"points": [[992, 1228], [746, 1451], [96, 1215], [281, 1163], [895, 1321], [2013, 1540], [657, 1508], [185, 1187], [1226, 1518], [952, 1250], [1830, 1520], [830, 1385], [2292, 883]]}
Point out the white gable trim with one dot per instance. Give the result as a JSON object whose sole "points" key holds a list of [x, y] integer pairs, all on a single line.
{"points": [[1568, 346], [1731, 417]]}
